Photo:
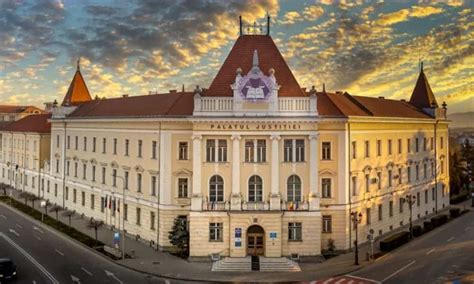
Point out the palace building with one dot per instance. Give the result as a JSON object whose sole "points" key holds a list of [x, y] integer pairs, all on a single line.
{"points": [[255, 163]]}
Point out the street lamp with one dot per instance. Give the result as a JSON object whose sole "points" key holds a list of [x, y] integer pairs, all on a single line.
{"points": [[122, 214], [410, 198], [356, 219]]}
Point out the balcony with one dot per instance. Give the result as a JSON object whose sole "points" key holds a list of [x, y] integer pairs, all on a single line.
{"points": [[295, 206], [255, 206]]}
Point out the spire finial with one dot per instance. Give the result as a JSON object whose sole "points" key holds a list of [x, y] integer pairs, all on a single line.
{"points": [[79, 64], [255, 58], [182, 89], [421, 66], [268, 23], [240, 25]]}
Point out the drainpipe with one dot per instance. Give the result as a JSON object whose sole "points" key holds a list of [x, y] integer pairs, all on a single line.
{"points": [[349, 143], [159, 191]]}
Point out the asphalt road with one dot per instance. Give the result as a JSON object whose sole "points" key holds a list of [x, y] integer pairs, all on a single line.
{"points": [[45, 256], [443, 255]]}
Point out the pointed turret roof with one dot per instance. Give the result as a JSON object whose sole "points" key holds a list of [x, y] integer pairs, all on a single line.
{"points": [[422, 96], [77, 92], [242, 56]]}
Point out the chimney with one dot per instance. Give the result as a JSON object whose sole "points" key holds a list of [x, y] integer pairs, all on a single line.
{"points": [[125, 96], [173, 91], [381, 97], [403, 100]]}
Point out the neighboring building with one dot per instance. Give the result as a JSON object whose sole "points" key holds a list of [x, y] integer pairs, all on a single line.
{"points": [[256, 164], [10, 113], [24, 149]]}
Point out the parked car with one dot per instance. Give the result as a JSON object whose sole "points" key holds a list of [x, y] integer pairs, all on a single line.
{"points": [[7, 269]]}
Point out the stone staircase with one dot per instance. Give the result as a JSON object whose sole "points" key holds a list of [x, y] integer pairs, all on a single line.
{"points": [[267, 264]]}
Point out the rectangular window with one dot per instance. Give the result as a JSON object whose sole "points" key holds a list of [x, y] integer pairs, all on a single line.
{"points": [[115, 146], [69, 142], [431, 143], [183, 151], [127, 144], [93, 173], [261, 151], [288, 150], [182, 188], [215, 232], [425, 144], [92, 201], [67, 193], [399, 146], [300, 150], [103, 175], [210, 150], [390, 208], [153, 185], [354, 185], [55, 189], [114, 177], [84, 171], [426, 196], [433, 192], [425, 166], [367, 213], [418, 199], [57, 165], [409, 173], [390, 178], [68, 166], [367, 149], [354, 149], [249, 151], [326, 186], [327, 223], [84, 146], [102, 204], [399, 175], [76, 143], [139, 213], [401, 204], [222, 150], [83, 198], [152, 220], [379, 180], [417, 145], [104, 145], [57, 141], [379, 147], [441, 142], [139, 182], [442, 166], [125, 212], [417, 172], [74, 195], [140, 144], [295, 231], [380, 212], [125, 177], [94, 144], [367, 183], [153, 149], [408, 145], [389, 146], [326, 148], [75, 169]]}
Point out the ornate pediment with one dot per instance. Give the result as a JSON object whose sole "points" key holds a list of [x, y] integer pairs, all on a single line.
{"points": [[367, 169], [114, 165], [139, 168], [183, 172], [93, 161], [327, 172]]}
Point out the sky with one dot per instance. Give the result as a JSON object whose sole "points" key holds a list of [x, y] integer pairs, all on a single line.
{"points": [[367, 48]]}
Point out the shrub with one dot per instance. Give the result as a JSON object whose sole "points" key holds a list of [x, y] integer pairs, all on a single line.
{"points": [[427, 226], [417, 231], [439, 220], [394, 241], [454, 212]]}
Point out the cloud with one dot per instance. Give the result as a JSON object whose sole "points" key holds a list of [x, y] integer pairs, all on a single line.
{"points": [[405, 14], [310, 13]]}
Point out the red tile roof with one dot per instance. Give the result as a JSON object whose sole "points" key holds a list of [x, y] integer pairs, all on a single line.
{"points": [[241, 56], [172, 104], [37, 123], [18, 109], [77, 92], [422, 96]]}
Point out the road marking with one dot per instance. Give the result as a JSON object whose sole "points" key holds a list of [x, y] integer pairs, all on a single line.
{"points": [[110, 274], [398, 271], [450, 239], [340, 281], [30, 258], [362, 278], [75, 279], [3, 216], [19, 226], [382, 257], [430, 251], [60, 253], [86, 271], [38, 229], [36, 237], [328, 281], [14, 232]]}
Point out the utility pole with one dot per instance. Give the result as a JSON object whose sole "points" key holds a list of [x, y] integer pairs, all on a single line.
{"points": [[356, 219], [411, 200]]}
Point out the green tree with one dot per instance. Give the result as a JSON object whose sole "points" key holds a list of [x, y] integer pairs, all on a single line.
{"points": [[179, 235]]}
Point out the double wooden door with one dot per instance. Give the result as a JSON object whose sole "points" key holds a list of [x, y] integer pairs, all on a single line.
{"points": [[255, 245]]}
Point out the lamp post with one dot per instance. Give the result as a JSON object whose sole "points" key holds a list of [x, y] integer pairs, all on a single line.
{"points": [[122, 215], [356, 219], [411, 200]]}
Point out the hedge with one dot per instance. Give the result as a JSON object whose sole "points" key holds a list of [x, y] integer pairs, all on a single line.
{"points": [[439, 220], [427, 226], [394, 241], [454, 212], [417, 231]]}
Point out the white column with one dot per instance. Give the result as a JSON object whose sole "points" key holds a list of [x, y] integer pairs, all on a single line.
{"points": [[236, 198], [275, 184], [313, 171], [196, 199], [165, 179]]}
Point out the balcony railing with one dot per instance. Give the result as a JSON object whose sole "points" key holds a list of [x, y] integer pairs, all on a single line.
{"points": [[216, 206], [255, 206], [295, 206]]}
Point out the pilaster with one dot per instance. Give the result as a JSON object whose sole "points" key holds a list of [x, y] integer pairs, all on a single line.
{"points": [[236, 198], [275, 198], [313, 172], [196, 198]]}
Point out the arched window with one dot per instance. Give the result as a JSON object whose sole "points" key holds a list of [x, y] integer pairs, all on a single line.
{"points": [[255, 189], [293, 187], [216, 188]]}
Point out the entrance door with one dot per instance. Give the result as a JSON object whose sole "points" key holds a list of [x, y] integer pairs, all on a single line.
{"points": [[255, 241]]}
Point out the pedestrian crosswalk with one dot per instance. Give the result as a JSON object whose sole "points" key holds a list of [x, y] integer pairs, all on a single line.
{"points": [[346, 279]]}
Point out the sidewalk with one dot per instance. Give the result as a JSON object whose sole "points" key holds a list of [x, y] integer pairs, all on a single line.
{"points": [[150, 261]]}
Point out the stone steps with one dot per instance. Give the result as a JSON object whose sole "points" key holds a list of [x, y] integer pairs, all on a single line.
{"points": [[267, 264]]}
